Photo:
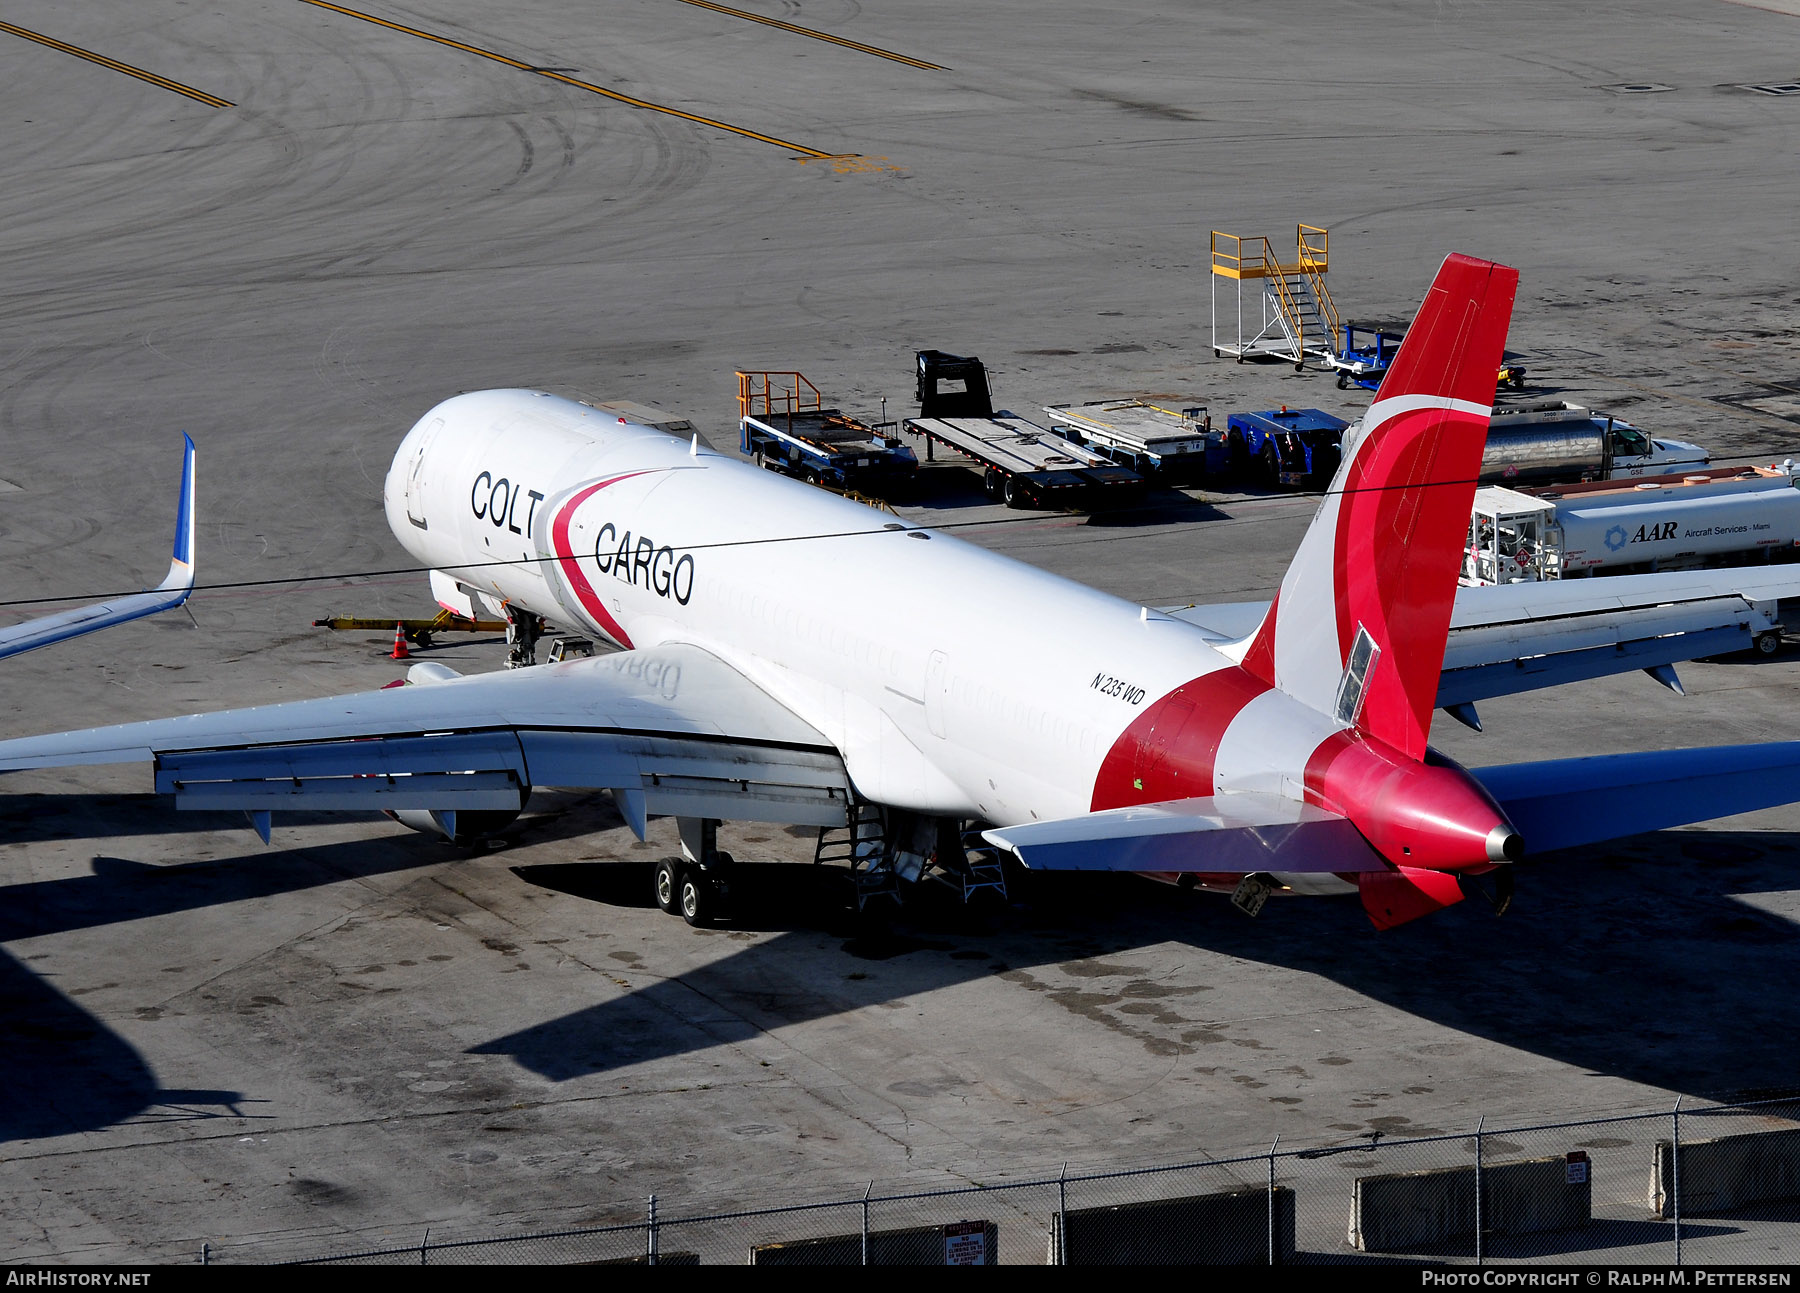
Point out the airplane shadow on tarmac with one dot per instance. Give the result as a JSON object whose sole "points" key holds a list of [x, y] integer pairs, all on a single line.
{"points": [[1647, 960], [64, 1070]]}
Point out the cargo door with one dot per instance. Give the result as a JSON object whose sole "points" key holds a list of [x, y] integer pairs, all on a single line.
{"points": [[415, 475], [937, 690]]}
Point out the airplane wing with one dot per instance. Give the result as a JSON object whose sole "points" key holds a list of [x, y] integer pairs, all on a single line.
{"points": [[1563, 803], [1520, 637], [1233, 832], [670, 730], [171, 592]]}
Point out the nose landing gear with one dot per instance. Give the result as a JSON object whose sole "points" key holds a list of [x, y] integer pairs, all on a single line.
{"points": [[523, 629]]}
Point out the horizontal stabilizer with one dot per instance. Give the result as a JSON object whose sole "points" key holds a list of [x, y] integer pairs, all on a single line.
{"points": [[1228, 833], [1566, 802]]}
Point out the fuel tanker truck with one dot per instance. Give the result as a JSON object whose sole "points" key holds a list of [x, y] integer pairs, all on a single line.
{"points": [[1727, 516], [1553, 441], [1542, 443]]}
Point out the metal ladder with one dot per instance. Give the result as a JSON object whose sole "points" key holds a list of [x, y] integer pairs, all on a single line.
{"points": [[1298, 316], [975, 870], [861, 847]]}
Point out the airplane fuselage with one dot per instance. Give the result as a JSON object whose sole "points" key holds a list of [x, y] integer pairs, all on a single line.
{"points": [[954, 681]]}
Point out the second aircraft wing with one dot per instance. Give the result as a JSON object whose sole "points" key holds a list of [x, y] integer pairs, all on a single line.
{"points": [[1521, 637], [171, 592]]}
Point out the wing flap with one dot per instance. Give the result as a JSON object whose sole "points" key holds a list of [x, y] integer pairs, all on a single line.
{"points": [[1221, 833], [427, 791]]}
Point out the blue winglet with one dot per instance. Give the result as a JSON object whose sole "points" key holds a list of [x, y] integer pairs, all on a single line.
{"points": [[184, 515]]}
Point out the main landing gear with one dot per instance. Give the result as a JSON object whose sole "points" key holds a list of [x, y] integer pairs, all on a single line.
{"points": [[695, 886]]}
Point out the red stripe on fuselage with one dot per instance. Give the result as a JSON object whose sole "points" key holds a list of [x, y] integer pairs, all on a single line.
{"points": [[571, 565], [1259, 658], [1318, 769], [1170, 750]]}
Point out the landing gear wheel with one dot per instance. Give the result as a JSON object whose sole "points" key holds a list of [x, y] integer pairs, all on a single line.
{"points": [[699, 898], [1768, 643], [668, 885]]}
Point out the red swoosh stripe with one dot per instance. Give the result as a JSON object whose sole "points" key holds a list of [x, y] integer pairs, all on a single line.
{"points": [[571, 566]]}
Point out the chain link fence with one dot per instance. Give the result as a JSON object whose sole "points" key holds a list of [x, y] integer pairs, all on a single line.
{"points": [[1707, 1185]]}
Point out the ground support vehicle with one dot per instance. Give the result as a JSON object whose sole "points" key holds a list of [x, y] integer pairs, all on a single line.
{"points": [[1284, 446], [1555, 441], [1155, 442], [1729, 516], [417, 631], [784, 426], [1023, 464], [1366, 350], [1363, 355]]}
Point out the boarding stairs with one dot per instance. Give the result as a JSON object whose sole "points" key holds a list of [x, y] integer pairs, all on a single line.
{"points": [[962, 861], [1293, 316], [972, 867], [860, 846]]}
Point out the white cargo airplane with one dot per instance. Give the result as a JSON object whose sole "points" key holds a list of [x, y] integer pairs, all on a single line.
{"points": [[170, 593], [788, 656]]}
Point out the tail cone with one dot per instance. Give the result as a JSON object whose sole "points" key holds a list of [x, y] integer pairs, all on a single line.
{"points": [[400, 652]]}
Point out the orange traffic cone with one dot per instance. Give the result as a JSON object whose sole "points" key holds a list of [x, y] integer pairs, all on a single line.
{"points": [[400, 652]]}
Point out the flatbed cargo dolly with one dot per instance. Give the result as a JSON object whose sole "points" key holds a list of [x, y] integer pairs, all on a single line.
{"points": [[1153, 441], [784, 426], [1023, 464]]}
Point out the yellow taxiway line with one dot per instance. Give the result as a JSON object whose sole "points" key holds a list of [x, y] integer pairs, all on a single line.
{"points": [[569, 80], [211, 100], [817, 35]]}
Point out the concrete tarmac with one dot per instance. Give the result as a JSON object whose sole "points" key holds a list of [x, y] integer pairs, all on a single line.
{"points": [[359, 1032]]}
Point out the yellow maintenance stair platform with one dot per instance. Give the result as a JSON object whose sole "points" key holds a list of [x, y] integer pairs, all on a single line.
{"points": [[1292, 317]]}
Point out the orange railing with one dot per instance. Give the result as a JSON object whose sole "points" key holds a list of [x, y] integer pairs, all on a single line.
{"points": [[776, 394], [1235, 257], [1314, 247]]}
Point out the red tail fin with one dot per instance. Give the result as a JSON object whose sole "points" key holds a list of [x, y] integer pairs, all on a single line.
{"points": [[1358, 628]]}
